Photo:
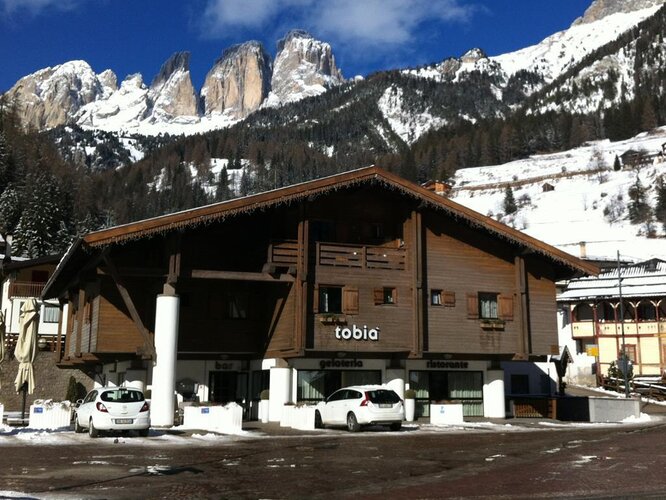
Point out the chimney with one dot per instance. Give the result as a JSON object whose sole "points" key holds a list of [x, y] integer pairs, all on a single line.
{"points": [[583, 250]]}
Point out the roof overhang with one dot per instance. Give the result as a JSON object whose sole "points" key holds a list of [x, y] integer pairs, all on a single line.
{"points": [[308, 190]]}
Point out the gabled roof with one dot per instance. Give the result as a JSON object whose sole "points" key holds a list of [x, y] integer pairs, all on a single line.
{"points": [[308, 190], [645, 279]]}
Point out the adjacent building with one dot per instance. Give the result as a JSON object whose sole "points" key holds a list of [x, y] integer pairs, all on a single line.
{"points": [[601, 324], [360, 277]]}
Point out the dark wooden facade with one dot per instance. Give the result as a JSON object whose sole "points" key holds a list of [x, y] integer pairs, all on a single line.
{"points": [[251, 274]]}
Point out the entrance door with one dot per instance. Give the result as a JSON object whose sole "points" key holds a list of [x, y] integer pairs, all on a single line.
{"points": [[223, 387]]}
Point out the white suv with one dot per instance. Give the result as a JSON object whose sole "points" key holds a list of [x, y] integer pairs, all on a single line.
{"points": [[360, 405]]}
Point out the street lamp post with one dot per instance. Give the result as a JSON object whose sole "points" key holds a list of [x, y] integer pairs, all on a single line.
{"points": [[624, 361]]}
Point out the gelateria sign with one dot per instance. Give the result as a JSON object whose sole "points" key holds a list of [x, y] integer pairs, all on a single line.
{"points": [[354, 332]]}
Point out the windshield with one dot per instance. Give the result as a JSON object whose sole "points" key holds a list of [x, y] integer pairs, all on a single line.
{"points": [[383, 396], [122, 396]]}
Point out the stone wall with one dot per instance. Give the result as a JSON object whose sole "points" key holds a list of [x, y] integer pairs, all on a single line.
{"points": [[51, 382]]}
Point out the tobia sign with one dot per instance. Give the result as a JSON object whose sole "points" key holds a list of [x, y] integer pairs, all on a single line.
{"points": [[357, 333]]}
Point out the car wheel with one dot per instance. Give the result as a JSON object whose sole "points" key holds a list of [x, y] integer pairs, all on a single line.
{"points": [[352, 423], [396, 426], [92, 431], [318, 422], [77, 428], [143, 432]]}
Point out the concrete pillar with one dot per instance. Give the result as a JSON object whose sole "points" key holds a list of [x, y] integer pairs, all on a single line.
{"points": [[395, 379], [493, 395], [279, 392], [164, 372]]}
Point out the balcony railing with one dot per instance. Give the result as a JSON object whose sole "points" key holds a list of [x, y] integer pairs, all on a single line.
{"points": [[285, 253], [25, 289], [360, 256]]}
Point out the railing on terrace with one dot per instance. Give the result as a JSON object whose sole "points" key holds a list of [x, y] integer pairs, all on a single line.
{"points": [[51, 343], [25, 289], [360, 256], [285, 252]]}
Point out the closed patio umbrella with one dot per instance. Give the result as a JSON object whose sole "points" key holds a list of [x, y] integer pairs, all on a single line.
{"points": [[26, 345], [2, 339]]}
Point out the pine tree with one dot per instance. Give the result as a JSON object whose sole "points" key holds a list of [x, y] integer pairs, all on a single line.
{"points": [[43, 227], [10, 210], [660, 209], [222, 191], [639, 209], [509, 201], [617, 166]]}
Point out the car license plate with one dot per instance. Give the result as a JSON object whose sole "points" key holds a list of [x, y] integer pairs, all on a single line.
{"points": [[385, 405], [123, 420]]}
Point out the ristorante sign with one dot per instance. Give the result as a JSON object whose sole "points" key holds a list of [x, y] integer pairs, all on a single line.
{"points": [[354, 332]]}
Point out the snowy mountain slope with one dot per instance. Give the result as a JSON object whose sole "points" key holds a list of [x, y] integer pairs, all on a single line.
{"points": [[588, 204]]}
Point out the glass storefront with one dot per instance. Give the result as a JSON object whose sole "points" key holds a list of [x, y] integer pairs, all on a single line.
{"points": [[316, 385], [459, 387]]}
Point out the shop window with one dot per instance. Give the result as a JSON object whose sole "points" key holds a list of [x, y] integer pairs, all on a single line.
{"points": [[317, 385], [386, 296]]}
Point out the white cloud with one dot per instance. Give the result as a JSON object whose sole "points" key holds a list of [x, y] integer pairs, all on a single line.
{"points": [[36, 6], [361, 23]]}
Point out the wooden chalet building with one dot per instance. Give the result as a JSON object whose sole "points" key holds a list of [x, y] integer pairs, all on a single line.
{"points": [[360, 277], [599, 322]]}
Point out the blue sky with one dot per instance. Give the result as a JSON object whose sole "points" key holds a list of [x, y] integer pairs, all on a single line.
{"points": [[137, 36]]}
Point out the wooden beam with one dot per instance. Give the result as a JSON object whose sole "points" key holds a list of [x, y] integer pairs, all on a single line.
{"points": [[174, 264], [523, 311], [240, 276], [79, 320], [148, 344], [135, 272], [417, 282]]}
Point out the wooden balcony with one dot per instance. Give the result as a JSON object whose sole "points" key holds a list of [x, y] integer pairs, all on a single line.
{"points": [[582, 329], [285, 253], [360, 256], [25, 289]]}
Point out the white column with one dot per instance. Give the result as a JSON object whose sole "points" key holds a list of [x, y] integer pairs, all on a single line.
{"points": [[164, 372], [493, 395], [279, 392]]}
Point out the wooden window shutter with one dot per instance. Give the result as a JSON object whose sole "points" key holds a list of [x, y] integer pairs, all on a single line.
{"points": [[315, 300], [350, 300], [449, 299], [379, 296], [472, 306], [506, 307]]}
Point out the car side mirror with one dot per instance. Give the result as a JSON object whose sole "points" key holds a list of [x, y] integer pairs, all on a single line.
{"points": [[79, 402]]}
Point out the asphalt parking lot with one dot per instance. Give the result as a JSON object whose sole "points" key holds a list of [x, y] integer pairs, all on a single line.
{"points": [[490, 460]]}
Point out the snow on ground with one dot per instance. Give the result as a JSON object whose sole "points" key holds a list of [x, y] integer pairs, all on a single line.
{"points": [[574, 211], [181, 436]]}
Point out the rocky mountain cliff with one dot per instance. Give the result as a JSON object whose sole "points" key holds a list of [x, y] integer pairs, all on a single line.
{"points": [[603, 8], [303, 67], [51, 96], [238, 84]]}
